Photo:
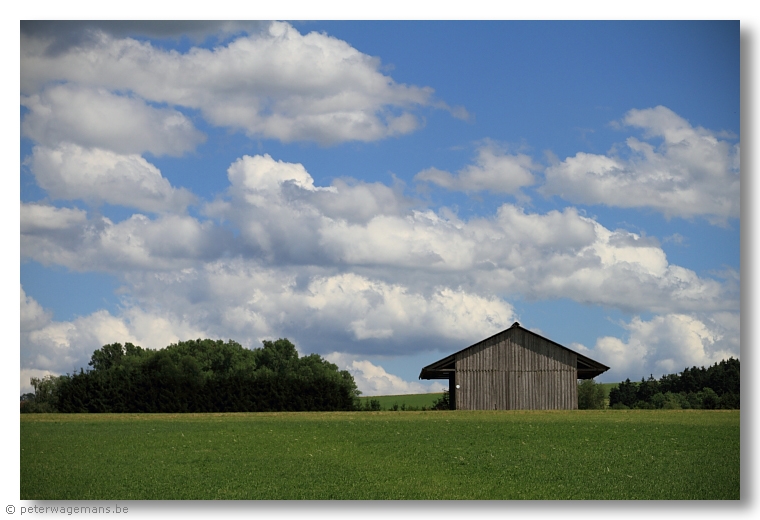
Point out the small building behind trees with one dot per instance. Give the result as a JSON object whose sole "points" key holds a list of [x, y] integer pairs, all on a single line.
{"points": [[515, 369]]}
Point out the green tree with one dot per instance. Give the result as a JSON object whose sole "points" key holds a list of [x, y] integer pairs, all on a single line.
{"points": [[710, 399], [672, 401], [46, 393], [729, 401], [278, 356], [647, 389], [206, 376], [624, 393], [590, 395]]}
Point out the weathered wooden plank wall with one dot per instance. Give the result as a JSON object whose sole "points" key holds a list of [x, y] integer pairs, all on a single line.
{"points": [[516, 371]]}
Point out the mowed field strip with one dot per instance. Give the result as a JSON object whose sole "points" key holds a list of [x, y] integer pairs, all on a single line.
{"points": [[440, 455]]}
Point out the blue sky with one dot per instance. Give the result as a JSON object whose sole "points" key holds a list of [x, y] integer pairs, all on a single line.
{"points": [[382, 193]]}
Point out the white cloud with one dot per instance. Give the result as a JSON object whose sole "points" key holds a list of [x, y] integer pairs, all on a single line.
{"points": [[281, 215], [669, 343], [261, 173], [51, 235], [375, 309], [357, 202], [690, 173], [321, 310], [72, 172], [494, 171], [394, 303], [374, 380], [96, 118], [391, 281], [58, 347], [43, 218], [250, 303], [33, 316], [353, 264], [168, 242], [51, 347], [285, 220], [417, 240], [618, 269], [277, 84]]}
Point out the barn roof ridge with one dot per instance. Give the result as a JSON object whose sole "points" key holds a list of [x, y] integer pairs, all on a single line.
{"points": [[437, 365]]}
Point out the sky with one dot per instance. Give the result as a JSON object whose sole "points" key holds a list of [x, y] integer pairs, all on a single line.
{"points": [[382, 193]]}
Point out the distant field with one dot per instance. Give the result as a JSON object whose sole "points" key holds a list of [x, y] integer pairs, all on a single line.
{"points": [[414, 400], [420, 400], [611, 454], [607, 387]]}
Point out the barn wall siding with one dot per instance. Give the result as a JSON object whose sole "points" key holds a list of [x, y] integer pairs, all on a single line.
{"points": [[516, 371]]}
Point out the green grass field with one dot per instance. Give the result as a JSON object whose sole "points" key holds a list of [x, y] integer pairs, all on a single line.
{"points": [[607, 387], [611, 454]]}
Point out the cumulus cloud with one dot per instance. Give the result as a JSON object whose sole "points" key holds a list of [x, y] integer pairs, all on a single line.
{"points": [[553, 255], [377, 310], [97, 118], [71, 172], [374, 380], [276, 83], [617, 269], [668, 344], [50, 347], [321, 310], [39, 218], [251, 303], [60, 35], [354, 264], [58, 347], [281, 213], [690, 173], [33, 316], [262, 173], [261, 181], [311, 265], [494, 171], [284, 220], [81, 244]]}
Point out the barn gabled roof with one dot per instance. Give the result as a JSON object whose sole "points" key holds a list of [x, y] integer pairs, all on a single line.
{"points": [[441, 369]]}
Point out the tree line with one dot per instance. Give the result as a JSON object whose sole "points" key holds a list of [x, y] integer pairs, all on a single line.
{"points": [[197, 376], [715, 387]]}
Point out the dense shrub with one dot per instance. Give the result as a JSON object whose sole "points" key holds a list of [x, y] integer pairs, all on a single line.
{"points": [[199, 376], [590, 395], [709, 398], [700, 388], [45, 396], [443, 402], [373, 405], [729, 401], [624, 393]]}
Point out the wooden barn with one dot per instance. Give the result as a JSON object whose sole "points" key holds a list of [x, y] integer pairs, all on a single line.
{"points": [[515, 369]]}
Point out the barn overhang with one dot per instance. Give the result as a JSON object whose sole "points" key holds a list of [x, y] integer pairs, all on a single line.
{"points": [[441, 369], [588, 368]]}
